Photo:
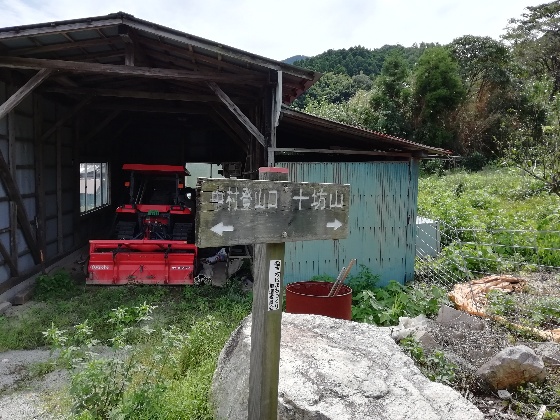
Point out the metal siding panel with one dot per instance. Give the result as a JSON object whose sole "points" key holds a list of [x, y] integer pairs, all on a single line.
{"points": [[51, 230], [4, 215], [24, 125], [50, 205], [25, 263], [24, 153], [380, 205], [21, 243], [25, 180], [51, 251], [4, 272]]}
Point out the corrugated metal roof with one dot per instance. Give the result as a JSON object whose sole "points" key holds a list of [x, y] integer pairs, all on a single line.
{"points": [[372, 139], [103, 39]]}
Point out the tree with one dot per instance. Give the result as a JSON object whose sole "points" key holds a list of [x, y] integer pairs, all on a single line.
{"points": [[390, 100], [535, 38], [438, 90], [484, 116]]}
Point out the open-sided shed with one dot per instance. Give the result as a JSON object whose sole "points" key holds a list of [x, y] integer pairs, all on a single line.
{"points": [[80, 98]]}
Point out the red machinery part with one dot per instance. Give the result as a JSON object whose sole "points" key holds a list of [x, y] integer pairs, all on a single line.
{"points": [[117, 262]]}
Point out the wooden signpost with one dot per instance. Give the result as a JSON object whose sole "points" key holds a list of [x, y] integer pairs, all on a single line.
{"points": [[268, 212]]}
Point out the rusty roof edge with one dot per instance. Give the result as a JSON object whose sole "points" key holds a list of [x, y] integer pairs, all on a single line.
{"points": [[363, 132], [179, 36]]}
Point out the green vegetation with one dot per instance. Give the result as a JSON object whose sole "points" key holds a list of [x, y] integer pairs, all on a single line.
{"points": [[496, 220], [142, 352], [384, 305], [433, 365]]}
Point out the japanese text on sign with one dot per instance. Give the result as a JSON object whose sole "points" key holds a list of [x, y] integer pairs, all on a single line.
{"points": [[274, 285], [235, 198]]}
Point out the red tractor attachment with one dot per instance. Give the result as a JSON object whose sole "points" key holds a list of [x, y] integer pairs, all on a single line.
{"points": [[152, 240]]}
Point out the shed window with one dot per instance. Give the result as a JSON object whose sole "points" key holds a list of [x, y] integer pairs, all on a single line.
{"points": [[94, 186]]}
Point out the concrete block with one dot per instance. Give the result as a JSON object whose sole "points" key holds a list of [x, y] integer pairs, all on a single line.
{"points": [[4, 306], [23, 296]]}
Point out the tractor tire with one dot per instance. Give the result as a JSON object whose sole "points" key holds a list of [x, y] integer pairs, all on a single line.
{"points": [[125, 230], [183, 232]]}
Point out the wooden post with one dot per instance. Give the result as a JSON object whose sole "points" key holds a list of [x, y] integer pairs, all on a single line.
{"points": [[13, 205], [267, 320], [60, 236]]}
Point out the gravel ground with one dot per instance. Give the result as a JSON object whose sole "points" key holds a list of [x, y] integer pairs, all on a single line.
{"points": [[22, 397]]}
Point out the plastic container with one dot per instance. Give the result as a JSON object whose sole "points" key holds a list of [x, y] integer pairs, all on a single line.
{"points": [[311, 297]]}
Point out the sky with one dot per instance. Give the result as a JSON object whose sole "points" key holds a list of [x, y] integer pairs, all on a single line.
{"points": [[281, 29]]}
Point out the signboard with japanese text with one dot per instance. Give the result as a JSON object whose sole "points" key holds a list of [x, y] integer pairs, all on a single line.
{"points": [[238, 211]]}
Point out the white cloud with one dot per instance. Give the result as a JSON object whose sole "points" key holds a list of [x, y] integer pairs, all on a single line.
{"points": [[279, 30]]}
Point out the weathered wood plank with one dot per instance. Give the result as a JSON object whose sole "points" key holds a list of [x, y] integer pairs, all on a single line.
{"points": [[237, 112], [8, 260], [57, 29], [266, 323], [236, 212], [23, 91], [13, 169], [39, 178], [59, 235], [148, 72], [13, 192]]}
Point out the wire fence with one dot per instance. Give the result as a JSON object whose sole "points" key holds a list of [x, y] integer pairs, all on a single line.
{"points": [[447, 256]]}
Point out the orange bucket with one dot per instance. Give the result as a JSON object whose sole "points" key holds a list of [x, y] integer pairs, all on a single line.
{"points": [[311, 297]]}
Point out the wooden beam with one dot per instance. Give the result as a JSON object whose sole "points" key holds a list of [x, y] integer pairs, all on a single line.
{"points": [[22, 92], [194, 110], [340, 151], [113, 69], [237, 112], [60, 236], [138, 94], [8, 260], [13, 171], [187, 39], [57, 29], [65, 46], [39, 178], [226, 123], [13, 191]]}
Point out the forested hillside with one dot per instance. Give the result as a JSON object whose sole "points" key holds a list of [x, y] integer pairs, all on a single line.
{"points": [[477, 96]]}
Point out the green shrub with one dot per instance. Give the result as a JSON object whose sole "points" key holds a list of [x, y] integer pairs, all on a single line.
{"points": [[384, 305], [54, 286], [434, 365]]}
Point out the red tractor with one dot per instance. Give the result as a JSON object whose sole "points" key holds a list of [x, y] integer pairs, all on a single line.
{"points": [[153, 236]]}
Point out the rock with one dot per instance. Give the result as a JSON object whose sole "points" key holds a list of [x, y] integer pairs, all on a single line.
{"points": [[504, 394], [512, 367], [450, 316], [335, 369], [409, 326], [550, 353], [23, 296], [4, 306], [426, 341]]}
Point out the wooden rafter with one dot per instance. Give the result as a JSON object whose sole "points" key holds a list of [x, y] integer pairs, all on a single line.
{"points": [[23, 91], [13, 191], [112, 69], [138, 94], [64, 46], [234, 109]]}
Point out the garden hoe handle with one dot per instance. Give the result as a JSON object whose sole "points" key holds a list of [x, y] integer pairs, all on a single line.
{"points": [[336, 287]]}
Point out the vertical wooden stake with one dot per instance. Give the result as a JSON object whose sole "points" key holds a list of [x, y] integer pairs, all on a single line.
{"points": [[13, 206], [266, 325]]}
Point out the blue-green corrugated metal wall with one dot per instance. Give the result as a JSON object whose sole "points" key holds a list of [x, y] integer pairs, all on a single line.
{"points": [[382, 220]]}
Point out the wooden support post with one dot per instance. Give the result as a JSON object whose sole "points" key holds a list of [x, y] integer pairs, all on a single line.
{"points": [[13, 205], [39, 178], [22, 92], [267, 321], [60, 236]]}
